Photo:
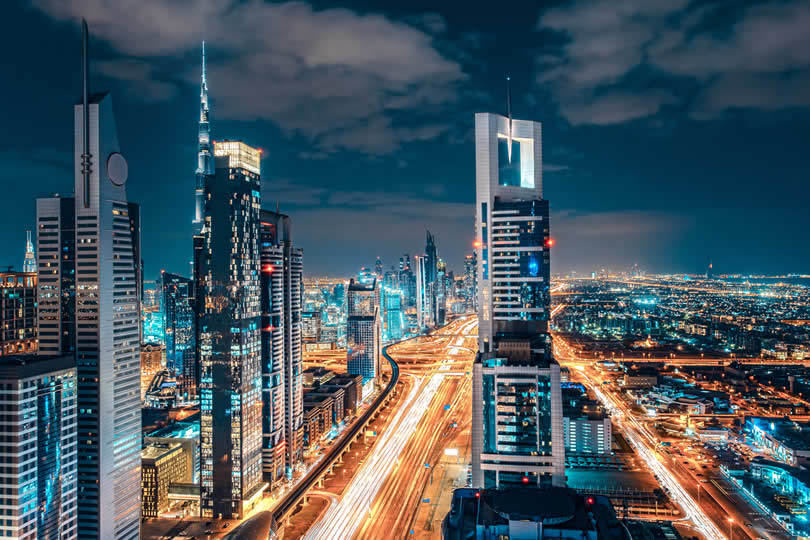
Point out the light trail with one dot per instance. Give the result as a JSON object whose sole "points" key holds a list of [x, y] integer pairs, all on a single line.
{"points": [[342, 520], [634, 432]]}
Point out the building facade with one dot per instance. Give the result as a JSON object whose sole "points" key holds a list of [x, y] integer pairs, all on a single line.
{"points": [[39, 445], [281, 337], [18, 313], [230, 347], [363, 329], [517, 430], [179, 319], [162, 464]]}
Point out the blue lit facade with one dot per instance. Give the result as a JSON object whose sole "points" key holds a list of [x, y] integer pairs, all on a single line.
{"points": [[394, 314], [517, 430], [41, 498], [230, 345], [179, 331]]}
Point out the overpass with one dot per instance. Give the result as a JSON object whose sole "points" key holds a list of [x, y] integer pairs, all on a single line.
{"points": [[316, 475]]}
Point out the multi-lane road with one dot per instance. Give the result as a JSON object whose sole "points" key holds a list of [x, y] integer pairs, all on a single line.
{"points": [[386, 489]]}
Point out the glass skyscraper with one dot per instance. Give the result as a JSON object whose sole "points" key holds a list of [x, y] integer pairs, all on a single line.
{"points": [[517, 432], [179, 332], [363, 329], [230, 346], [39, 445]]}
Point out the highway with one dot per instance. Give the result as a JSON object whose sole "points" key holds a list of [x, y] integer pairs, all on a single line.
{"points": [[293, 497], [384, 492]]}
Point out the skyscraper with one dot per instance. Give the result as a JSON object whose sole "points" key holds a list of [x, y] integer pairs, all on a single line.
{"points": [[424, 294], [430, 283], [230, 346], [470, 283], [282, 360], [205, 160], [92, 308], [441, 292], [18, 313], [40, 487], [179, 334], [30, 261], [517, 431], [363, 329]]}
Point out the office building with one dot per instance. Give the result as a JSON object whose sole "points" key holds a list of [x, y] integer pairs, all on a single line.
{"points": [[311, 322], [394, 317], [152, 362], [281, 346], [56, 275], [162, 464], [30, 260], [40, 484], [230, 348], [517, 430], [88, 267], [424, 294], [470, 283], [363, 329], [18, 313], [186, 433], [430, 281], [180, 333], [441, 292]]}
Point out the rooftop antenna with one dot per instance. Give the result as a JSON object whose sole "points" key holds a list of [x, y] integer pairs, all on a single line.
{"points": [[203, 62], [509, 116], [87, 158]]}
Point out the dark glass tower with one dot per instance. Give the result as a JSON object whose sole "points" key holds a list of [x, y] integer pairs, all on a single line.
{"points": [[179, 319], [230, 345]]}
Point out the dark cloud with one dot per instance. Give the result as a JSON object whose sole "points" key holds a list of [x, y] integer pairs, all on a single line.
{"points": [[341, 79], [753, 57]]}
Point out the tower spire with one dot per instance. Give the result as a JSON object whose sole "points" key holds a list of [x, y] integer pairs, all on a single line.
{"points": [[205, 165], [30, 261], [204, 83], [87, 158], [509, 116]]}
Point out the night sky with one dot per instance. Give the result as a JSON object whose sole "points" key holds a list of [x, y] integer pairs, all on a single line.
{"points": [[674, 132]]}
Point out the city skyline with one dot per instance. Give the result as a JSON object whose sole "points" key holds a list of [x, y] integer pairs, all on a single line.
{"points": [[671, 191]]}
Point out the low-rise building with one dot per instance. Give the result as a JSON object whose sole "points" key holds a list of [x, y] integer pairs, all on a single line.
{"points": [[317, 419], [785, 440], [18, 313], [161, 466]]}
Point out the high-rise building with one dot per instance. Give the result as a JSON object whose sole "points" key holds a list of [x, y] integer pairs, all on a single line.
{"points": [[56, 275], [39, 447], [88, 274], [517, 430], [378, 268], [230, 346], [30, 261], [470, 283], [205, 159], [424, 294], [281, 337], [430, 281], [363, 329], [394, 317], [152, 360], [442, 289], [18, 313], [180, 333]]}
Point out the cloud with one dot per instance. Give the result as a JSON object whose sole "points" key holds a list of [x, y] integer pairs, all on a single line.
{"points": [[619, 57], [341, 79], [139, 76]]}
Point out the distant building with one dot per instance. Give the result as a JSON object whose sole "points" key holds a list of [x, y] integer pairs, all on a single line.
{"points": [[161, 466], [363, 329], [311, 326], [785, 440], [39, 447], [179, 319], [30, 261], [18, 313], [152, 362]]}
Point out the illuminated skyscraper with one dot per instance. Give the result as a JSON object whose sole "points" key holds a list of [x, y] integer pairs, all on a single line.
{"points": [[517, 431], [363, 329], [30, 261], [441, 292], [205, 161], [230, 345], [18, 313], [99, 295], [430, 281], [424, 294], [470, 283], [39, 447], [282, 360], [179, 334]]}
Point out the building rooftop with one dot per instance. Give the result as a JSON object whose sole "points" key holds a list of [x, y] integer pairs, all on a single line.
{"points": [[178, 430], [156, 451], [24, 366]]}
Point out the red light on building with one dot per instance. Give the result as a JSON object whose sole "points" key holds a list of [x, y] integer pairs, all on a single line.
{"points": [[550, 242], [477, 494], [477, 244], [525, 479], [267, 269], [590, 501]]}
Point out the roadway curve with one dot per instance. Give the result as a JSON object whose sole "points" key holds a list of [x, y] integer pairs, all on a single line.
{"points": [[286, 504]]}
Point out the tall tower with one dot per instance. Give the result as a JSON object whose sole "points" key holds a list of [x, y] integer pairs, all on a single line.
{"points": [[30, 262], [282, 361], [363, 329], [230, 351], [516, 381], [91, 308], [205, 161]]}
